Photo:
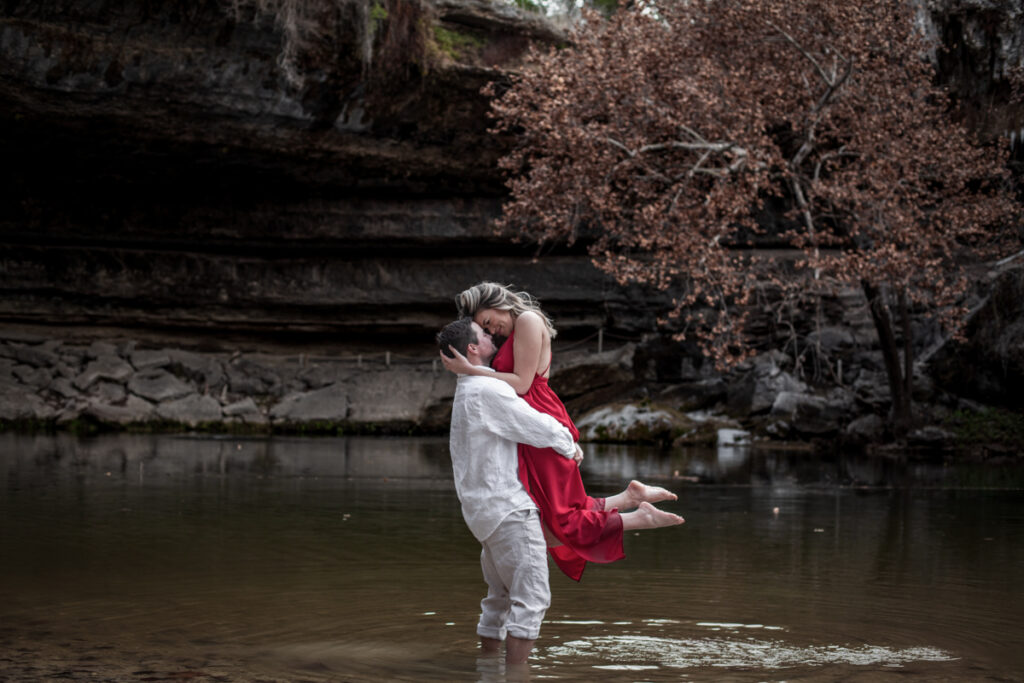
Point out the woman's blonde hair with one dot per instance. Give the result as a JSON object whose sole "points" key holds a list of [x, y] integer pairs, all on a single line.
{"points": [[502, 298]]}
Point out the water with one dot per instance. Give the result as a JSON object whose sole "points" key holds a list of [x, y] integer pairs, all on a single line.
{"points": [[140, 558]]}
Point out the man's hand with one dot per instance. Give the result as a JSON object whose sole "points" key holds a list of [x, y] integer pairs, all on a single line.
{"points": [[579, 455], [459, 365]]}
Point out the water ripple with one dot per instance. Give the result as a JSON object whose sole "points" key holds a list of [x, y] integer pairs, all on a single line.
{"points": [[687, 653]]}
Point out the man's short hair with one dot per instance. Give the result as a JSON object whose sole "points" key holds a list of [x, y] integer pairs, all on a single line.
{"points": [[458, 334]]}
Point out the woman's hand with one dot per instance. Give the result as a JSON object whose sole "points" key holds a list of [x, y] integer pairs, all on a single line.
{"points": [[459, 365]]}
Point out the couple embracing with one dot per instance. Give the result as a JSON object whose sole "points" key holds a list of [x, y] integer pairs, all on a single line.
{"points": [[516, 467]]}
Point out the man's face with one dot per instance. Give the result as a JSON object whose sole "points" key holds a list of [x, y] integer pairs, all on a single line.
{"points": [[495, 321], [485, 348]]}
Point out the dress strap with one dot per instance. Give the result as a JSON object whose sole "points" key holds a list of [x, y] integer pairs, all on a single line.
{"points": [[550, 358]]}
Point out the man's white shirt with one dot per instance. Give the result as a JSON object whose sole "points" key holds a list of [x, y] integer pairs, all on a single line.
{"points": [[488, 421]]}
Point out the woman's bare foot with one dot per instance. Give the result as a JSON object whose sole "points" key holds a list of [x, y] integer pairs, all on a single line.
{"points": [[646, 516], [637, 492], [642, 493]]}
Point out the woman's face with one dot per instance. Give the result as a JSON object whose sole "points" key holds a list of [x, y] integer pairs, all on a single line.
{"points": [[494, 321]]}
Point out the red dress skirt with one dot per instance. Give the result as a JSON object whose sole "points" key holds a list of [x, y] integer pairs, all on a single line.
{"points": [[588, 532]]}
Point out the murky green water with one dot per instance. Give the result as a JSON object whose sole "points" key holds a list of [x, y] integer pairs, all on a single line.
{"points": [[135, 558]]}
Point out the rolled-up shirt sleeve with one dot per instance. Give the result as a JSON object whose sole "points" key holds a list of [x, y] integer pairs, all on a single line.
{"points": [[510, 417]]}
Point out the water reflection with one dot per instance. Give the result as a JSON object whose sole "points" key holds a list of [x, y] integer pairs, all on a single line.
{"points": [[139, 557], [155, 458], [750, 466], [150, 459]]}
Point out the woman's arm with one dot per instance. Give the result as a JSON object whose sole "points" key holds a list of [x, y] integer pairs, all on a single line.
{"points": [[529, 342]]}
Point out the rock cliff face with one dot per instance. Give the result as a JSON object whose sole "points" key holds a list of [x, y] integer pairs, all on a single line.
{"points": [[161, 173], [982, 43]]}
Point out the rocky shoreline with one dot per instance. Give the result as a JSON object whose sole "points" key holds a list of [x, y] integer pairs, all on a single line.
{"points": [[117, 384], [617, 395]]}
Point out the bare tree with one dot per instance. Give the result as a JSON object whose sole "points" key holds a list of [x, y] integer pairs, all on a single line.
{"points": [[662, 133]]}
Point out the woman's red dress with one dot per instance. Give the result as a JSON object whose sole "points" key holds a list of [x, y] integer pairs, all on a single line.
{"points": [[586, 530]]}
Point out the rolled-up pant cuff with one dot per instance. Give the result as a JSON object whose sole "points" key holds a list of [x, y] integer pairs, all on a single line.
{"points": [[489, 632], [522, 633]]}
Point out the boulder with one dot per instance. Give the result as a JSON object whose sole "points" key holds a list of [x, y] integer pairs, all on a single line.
{"points": [[125, 349], [158, 385], [36, 378], [329, 404], [36, 356], [698, 395], [246, 376], [192, 410], [634, 422], [320, 375], [148, 360], [931, 436], [16, 405], [203, 370], [73, 357], [61, 386], [661, 359], [246, 411], [106, 367], [109, 392], [576, 374], [832, 338], [242, 384], [872, 388], [757, 389], [398, 394], [64, 370], [500, 18], [134, 410], [101, 349], [806, 414], [71, 410]]}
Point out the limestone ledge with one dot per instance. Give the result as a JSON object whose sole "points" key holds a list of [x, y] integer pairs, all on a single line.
{"points": [[62, 384]]}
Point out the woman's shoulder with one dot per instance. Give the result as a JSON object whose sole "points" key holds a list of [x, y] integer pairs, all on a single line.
{"points": [[528, 321]]}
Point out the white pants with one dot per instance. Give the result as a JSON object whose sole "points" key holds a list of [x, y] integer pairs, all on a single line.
{"points": [[515, 563]]}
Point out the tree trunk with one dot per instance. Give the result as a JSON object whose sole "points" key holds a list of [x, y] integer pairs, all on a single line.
{"points": [[908, 358], [900, 379]]}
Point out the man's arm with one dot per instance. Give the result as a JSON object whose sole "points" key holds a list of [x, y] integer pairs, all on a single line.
{"points": [[510, 417]]}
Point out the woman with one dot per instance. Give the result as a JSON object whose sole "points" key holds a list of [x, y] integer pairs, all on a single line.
{"points": [[586, 528]]}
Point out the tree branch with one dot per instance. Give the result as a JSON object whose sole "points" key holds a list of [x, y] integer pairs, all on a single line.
{"points": [[841, 152], [808, 55]]}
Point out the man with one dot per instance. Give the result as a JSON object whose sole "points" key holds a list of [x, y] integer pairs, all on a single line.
{"points": [[488, 421]]}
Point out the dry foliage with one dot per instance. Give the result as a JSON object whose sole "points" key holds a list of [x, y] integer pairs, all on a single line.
{"points": [[663, 131]]}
